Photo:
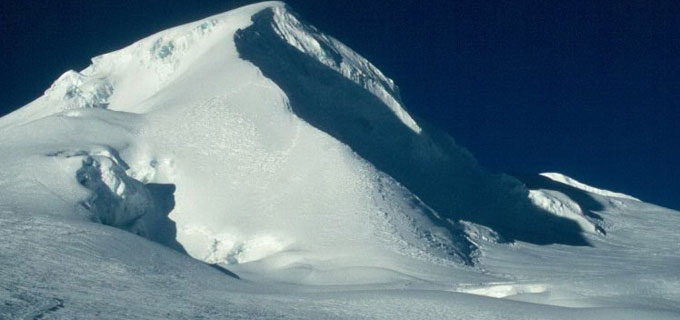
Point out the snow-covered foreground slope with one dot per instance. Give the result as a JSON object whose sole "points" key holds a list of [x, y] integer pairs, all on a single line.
{"points": [[52, 269], [249, 166]]}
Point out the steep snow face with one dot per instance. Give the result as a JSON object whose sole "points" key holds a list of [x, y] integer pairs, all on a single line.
{"points": [[342, 59], [430, 164]]}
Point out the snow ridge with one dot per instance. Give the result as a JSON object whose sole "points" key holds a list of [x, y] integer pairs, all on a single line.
{"points": [[342, 59], [576, 184]]}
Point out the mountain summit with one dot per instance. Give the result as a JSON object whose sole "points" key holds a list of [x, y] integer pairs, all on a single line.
{"points": [[248, 165]]}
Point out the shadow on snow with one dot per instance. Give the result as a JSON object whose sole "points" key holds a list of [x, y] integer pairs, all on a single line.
{"points": [[445, 176]]}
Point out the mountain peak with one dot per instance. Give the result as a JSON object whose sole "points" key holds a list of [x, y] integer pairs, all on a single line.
{"points": [[258, 90], [268, 150]]}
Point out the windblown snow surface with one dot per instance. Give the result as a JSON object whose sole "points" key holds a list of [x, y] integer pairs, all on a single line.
{"points": [[249, 166]]}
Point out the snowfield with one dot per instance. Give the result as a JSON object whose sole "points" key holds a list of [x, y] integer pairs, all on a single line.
{"points": [[249, 166]]}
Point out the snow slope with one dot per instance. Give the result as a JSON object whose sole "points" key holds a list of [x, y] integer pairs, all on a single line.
{"points": [[249, 166]]}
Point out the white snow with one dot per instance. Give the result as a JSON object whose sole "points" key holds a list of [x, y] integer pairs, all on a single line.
{"points": [[506, 290], [126, 181]]}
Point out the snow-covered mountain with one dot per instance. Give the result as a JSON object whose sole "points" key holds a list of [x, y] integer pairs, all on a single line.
{"points": [[249, 166]]}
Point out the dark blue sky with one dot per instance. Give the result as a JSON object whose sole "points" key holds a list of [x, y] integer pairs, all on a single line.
{"points": [[587, 88]]}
